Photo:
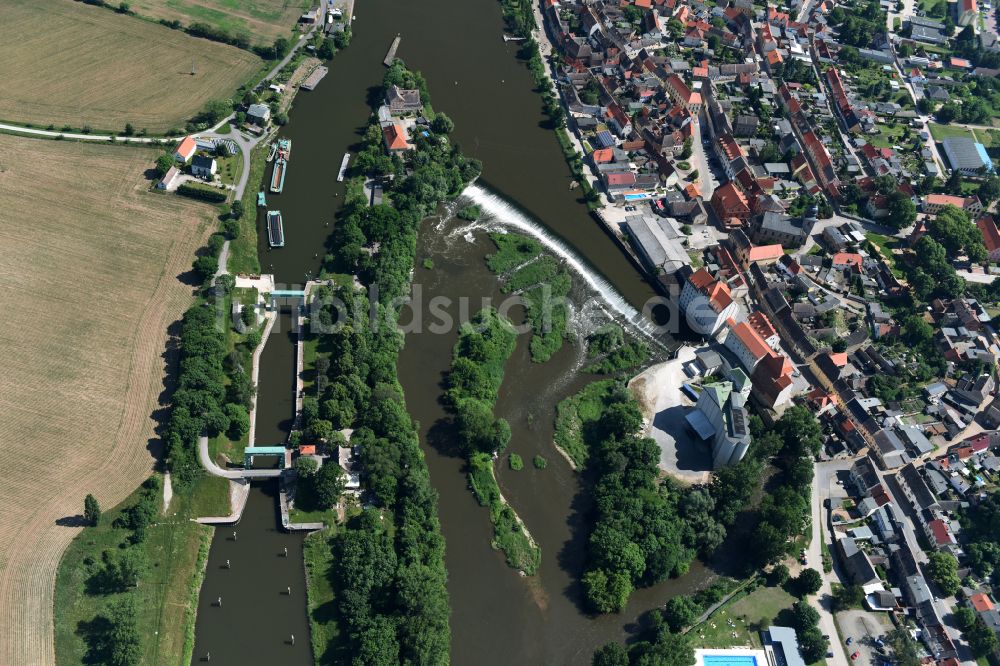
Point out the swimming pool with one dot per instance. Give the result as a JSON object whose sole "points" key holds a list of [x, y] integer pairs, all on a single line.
{"points": [[729, 660], [636, 196]]}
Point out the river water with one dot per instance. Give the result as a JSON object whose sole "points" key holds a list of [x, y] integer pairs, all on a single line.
{"points": [[498, 617]]}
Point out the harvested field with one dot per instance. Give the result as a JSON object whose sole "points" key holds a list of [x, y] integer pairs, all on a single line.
{"points": [[263, 20], [93, 67], [90, 263]]}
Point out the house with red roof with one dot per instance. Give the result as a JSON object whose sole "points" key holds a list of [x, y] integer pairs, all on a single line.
{"points": [[395, 138], [746, 344], [980, 602], [765, 329], [729, 202], [185, 150], [848, 259], [935, 203], [991, 237], [680, 93]]}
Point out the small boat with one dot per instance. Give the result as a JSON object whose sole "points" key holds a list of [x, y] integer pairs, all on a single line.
{"points": [[260, 199], [343, 167], [274, 151], [278, 175], [275, 229], [285, 148]]}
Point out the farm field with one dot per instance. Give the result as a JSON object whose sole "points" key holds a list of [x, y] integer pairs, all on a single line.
{"points": [[91, 263], [94, 67], [264, 20]]}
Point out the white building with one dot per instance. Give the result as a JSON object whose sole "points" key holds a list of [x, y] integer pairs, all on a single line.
{"points": [[706, 302]]}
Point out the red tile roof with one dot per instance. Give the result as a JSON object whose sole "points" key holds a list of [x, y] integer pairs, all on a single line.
{"points": [[395, 137], [716, 291], [307, 449], [751, 340], [760, 323], [848, 259], [765, 252], [186, 148], [988, 228], [980, 602]]}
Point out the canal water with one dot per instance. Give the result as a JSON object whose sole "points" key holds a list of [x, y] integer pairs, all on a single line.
{"points": [[498, 617]]}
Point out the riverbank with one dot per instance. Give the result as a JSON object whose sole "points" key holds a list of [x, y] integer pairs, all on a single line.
{"points": [[165, 591]]}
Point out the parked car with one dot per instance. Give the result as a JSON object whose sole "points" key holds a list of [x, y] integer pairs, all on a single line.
{"points": [[854, 657], [849, 640]]}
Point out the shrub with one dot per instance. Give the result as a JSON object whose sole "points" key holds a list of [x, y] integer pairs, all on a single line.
{"points": [[539, 462], [516, 462]]}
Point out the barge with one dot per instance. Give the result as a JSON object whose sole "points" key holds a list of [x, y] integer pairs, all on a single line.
{"points": [[278, 175], [275, 229]]}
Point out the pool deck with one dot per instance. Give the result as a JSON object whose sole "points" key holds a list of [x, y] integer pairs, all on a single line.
{"points": [[731, 657]]}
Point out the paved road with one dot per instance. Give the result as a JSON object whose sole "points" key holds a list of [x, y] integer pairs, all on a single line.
{"points": [[708, 181], [206, 461], [823, 476], [52, 134]]}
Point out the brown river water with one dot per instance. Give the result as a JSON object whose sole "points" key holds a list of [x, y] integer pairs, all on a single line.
{"points": [[498, 617]]}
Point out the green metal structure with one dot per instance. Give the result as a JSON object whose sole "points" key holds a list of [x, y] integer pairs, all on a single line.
{"points": [[251, 451]]}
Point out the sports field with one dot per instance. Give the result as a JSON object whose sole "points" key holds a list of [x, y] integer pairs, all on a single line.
{"points": [[70, 64], [89, 260], [263, 20]]}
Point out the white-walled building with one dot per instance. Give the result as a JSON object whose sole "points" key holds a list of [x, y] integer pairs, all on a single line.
{"points": [[720, 417], [706, 302]]}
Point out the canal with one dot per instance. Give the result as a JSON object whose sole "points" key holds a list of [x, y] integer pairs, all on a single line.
{"points": [[498, 617]]}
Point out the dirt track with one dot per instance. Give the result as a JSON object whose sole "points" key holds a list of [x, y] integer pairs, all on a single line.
{"points": [[89, 262]]}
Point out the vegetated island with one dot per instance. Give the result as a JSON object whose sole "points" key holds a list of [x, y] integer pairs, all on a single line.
{"points": [[483, 347]]}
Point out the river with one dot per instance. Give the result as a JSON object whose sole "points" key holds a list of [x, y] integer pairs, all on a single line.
{"points": [[497, 617]]}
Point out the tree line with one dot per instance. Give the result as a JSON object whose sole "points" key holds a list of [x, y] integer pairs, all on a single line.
{"points": [[389, 582]]}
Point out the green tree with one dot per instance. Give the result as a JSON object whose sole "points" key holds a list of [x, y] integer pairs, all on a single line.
{"points": [[902, 211], [686, 149], [607, 591], [163, 164], [611, 654], [305, 467], [804, 615], [982, 640], [812, 645], [808, 582], [846, 597], [124, 568], [442, 124], [91, 510], [681, 612], [329, 484], [943, 570], [989, 190], [239, 421], [123, 642], [905, 649]]}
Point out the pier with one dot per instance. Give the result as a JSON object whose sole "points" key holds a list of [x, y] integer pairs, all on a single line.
{"points": [[391, 55], [343, 167], [313, 80]]}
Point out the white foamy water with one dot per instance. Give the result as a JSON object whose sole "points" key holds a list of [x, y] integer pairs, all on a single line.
{"points": [[499, 211]]}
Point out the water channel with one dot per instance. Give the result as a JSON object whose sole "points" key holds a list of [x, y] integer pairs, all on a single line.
{"points": [[497, 617]]}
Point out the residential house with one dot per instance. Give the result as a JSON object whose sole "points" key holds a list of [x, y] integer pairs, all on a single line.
{"points": [[259, 114], [402, 101], [395, 138], [203, 167], [730, 205]]}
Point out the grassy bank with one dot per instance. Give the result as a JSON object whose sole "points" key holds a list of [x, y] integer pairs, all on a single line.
{"points": [[477, 370], [322, 604], [509, 533], [575, 418], [243, 257], [174, 548], [542, 282]]}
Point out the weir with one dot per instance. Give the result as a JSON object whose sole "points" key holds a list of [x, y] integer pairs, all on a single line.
{"points": [[510, 216]]}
